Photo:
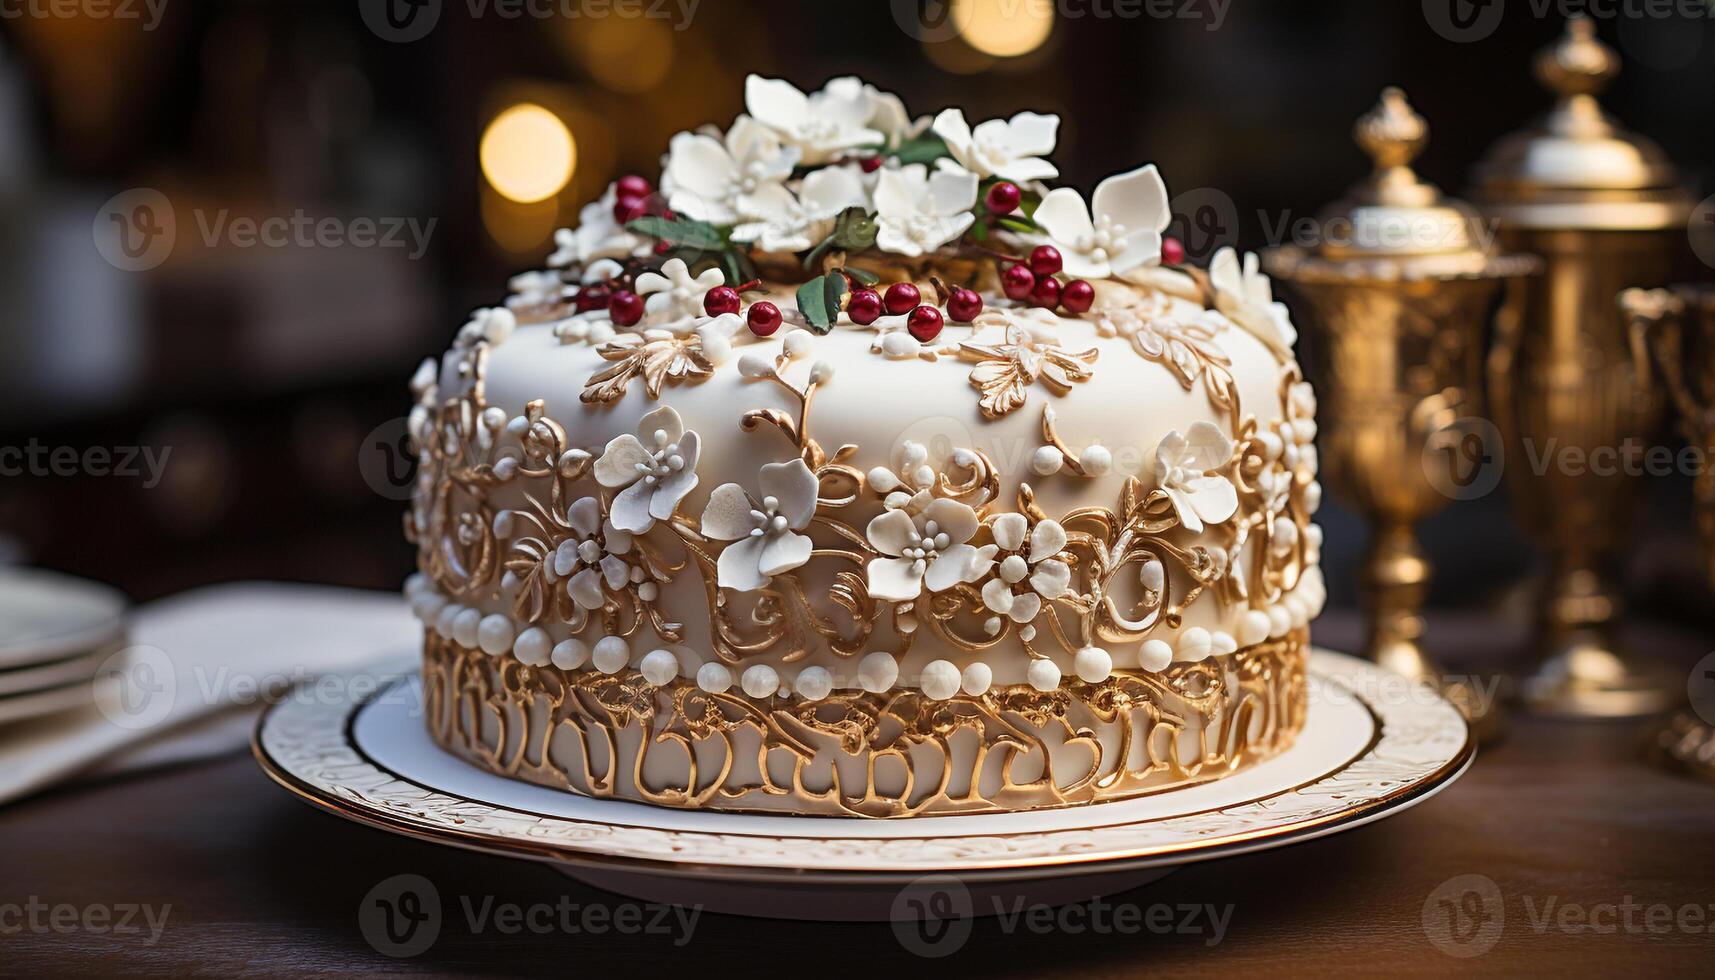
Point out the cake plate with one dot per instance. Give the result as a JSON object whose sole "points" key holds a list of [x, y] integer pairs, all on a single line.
{"points": [[1374, 744]]}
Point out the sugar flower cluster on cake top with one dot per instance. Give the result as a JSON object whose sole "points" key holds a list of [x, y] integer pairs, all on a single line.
{"points": [[835, 189]]}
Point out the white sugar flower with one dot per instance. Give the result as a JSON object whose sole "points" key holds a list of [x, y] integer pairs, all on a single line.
{"points": [[887, 113], [1245, 296], [763, 533], [673, 297], [821, 127], [1030, 563], [925, 549], [656, 467], [590, 555], [919, 212], [1182, 468], [780, 221], [1130, 211], [1011, 149], [712, 178], [598, 235]]}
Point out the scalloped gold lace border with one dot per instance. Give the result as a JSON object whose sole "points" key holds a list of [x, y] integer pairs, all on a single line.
{"points": [[859, 754]]}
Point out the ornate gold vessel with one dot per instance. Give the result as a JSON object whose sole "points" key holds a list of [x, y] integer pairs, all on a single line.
{"points": [[1673, 340], [1604, 210], [1396, 299]]}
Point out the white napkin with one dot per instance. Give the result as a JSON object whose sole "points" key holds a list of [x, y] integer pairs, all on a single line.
{"points": [[201, 665]]}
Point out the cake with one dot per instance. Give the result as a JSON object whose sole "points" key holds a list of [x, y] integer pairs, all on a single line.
{"points": [[853, 468]]}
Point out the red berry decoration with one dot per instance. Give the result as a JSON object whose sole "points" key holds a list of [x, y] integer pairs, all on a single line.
{"points": [[1016, 281], [1003, 197], [864, 307], [1172, 251], [925, 323], [964, 305], [631, 185], [1045, 260], [870, 165], [626, 307], [591, 298], [630, 207], [721, 299], [1046, 294], [901, 298], [1077, 295], [764, 318]]}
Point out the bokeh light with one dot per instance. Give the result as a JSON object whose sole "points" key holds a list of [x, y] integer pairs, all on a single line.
{"points": [[623, 54], [1004, 28], [527, 153]]}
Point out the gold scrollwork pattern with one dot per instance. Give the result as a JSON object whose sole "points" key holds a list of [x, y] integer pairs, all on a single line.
{"points": [[870, 755]]}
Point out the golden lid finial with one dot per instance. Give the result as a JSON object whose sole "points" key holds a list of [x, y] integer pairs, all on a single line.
{"points": [[1578, 63], [1392, 133]]}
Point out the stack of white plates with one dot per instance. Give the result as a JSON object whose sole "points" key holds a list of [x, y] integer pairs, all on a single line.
{"points": [[56, 634]]}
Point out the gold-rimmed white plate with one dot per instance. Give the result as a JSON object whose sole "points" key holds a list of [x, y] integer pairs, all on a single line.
{"points": [[1373, 745]]}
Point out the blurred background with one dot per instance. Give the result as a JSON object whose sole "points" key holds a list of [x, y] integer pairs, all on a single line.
{"points": [[231, 230]]}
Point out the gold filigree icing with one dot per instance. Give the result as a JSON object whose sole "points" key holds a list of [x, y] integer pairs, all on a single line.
{"points": [[860, 754], [673, 360], [1005, 372]]}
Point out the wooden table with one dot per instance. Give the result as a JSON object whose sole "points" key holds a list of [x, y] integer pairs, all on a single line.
{"points": [[1563, 818]]}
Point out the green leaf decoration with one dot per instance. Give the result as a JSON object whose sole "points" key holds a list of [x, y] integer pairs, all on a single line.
{"points": [[833, 297], [813, 303], [854, 229], [924, 148], [1022, 225], [682, 232], [864, 276]]}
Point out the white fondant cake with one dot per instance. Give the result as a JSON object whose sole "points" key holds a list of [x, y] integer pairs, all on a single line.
{"points": [[856, 470]]}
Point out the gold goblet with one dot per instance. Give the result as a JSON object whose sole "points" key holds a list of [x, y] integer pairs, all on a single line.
{"points": [[1673, 339], [1396, 298], [1605, 210]]}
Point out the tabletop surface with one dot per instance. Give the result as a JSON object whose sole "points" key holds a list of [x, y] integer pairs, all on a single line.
{"points": [[1560, 851]]}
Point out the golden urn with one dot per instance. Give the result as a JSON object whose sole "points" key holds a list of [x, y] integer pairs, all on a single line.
{"points": [[1396, 297], [1605, 210], [1673, 344]]}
